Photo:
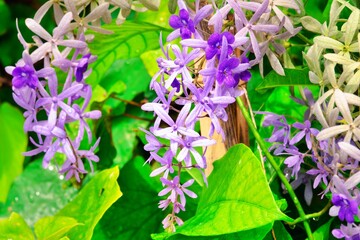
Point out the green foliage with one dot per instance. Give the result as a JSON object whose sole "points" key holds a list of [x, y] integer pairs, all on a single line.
{"points": [[293, 77], [15, 228], [4, 17], [237, 199], [38, 192], [322, 233], [279, 233], [53, 228], [136, 215], [13, 142], [124, 131], [92, 202], [128, 41]]}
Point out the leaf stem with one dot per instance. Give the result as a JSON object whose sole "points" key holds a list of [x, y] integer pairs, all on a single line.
{"points": [[276, 168], [312, 215]]}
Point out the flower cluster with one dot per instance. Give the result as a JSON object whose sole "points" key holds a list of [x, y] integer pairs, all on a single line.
{"points": [[199, 78], [333, 150], [53, 105]]}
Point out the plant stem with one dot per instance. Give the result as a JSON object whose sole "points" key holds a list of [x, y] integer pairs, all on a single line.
{"points": [[276, 168], [305, 39], [312, 215]]}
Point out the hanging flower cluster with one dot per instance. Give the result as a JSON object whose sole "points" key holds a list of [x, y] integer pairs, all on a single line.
{"points": [[39, 91], [333, 151], [199, 78]]}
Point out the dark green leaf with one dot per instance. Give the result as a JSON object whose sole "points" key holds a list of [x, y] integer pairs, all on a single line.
{"points": [[4, 17], [128, 41], [136, 215], [13, 142], [92, 202], [15, 228], [237, 199], [279, 233], [53, 228], [322, 233], [133, 75], [124, 132], [293, 77], [38, 192]]}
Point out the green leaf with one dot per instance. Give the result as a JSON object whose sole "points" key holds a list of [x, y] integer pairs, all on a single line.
{"points": [[13, 142], [279, 233], [257, 233], [160, 17], [128, 41], [237, 199], [15, 228], [293, 77], [136, 215], [124, 132], [322, 233], [4, 17], [92, 202], [53, 228], [38, 192], [133, 75]]}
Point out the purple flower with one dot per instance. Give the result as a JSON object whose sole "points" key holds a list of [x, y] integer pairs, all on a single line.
{"points": [[349, 232], [226, 73], [250, 27], [189, 145], [89, 154], [73, 169], [306, 131], [184, 23], [215, 44], [176, 189], [82, 67], [345, 208], [321, 173], [24, 76], [166, 164], [176, 127], [56, 100], [294, 160]]}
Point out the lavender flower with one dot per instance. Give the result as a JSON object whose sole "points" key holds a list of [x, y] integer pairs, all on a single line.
{"points": [[183, 23], [344, 207], [306, 131]]}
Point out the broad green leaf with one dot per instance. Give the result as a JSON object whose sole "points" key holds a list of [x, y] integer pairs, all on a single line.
{"points": [[128, 41], [124, 132], [92, 202], [257, 233], [279, 233], [38, 192], [53, 228], [13, 142], [15, 228], [136, 215], [293, 77], [237, 199]]}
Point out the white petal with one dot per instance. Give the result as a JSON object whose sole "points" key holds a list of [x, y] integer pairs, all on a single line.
{"points": [[332, 131]]}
